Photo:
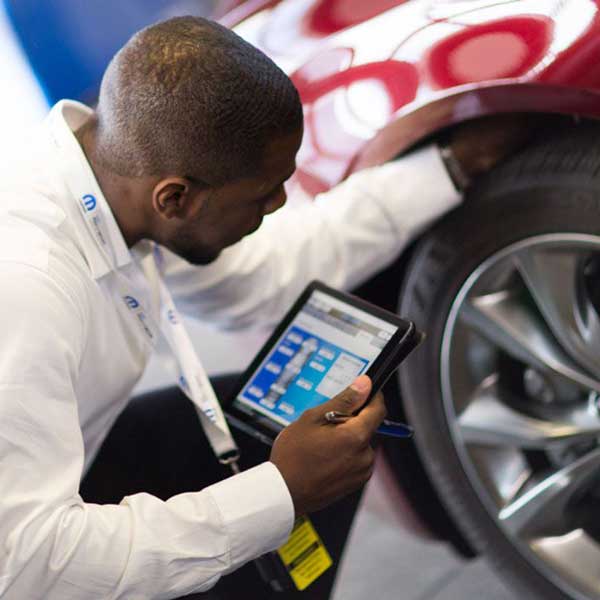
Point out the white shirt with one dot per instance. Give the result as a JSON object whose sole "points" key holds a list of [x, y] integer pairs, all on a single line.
{"points": [[70, 356]]}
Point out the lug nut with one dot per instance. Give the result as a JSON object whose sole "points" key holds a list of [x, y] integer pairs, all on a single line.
{"points": [[537, 387]]}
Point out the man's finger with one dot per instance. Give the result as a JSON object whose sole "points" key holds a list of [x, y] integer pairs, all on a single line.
{"points": [[351, 399], [372, 415]]}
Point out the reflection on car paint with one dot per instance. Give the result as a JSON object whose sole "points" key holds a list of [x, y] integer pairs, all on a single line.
{"points": [[361, 66]]}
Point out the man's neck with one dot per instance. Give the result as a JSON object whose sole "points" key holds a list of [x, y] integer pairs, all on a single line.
{"points": [[118, 191]]}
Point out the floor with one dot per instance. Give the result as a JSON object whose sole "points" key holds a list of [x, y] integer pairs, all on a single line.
{"points": [[386, 559]]}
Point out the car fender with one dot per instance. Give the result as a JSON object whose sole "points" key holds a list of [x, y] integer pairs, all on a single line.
{"points": [[376, 79], [410, 128]]}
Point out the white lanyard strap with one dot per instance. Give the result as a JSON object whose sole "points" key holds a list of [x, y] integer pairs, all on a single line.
{"points": [[191, 375]]}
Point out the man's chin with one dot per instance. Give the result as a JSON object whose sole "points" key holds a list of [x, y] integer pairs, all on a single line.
{"points": [[203, 259], [198, 256]]}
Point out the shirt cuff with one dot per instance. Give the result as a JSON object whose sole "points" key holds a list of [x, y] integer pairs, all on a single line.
{"points": [[413, 191], [257, 511]]}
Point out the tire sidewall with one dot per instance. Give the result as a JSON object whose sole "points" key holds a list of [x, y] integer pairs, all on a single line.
{"points": [[490, 220]]}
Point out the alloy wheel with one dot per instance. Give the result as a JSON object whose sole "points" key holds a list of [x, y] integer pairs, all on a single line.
{"points": [[520, 377]]}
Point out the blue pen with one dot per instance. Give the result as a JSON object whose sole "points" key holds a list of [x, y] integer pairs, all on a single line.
{"points": [[395, 429], [387, 427]]}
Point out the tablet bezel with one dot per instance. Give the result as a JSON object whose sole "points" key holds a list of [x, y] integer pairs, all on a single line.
{"points": [[263, 427]]}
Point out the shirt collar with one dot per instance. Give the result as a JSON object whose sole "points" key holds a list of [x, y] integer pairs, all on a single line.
{"points": [[65, 118]]}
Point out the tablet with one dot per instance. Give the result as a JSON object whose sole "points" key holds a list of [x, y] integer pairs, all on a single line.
{"points": [[324, 342]]}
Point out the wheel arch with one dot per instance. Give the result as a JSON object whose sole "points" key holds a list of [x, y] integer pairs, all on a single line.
{"points": [[424, 123]]}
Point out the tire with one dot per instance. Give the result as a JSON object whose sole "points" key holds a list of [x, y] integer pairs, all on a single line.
{"points": [[552, 187]]}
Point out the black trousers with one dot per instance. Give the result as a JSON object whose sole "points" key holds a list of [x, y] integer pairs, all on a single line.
{"points": [[157, 446]]}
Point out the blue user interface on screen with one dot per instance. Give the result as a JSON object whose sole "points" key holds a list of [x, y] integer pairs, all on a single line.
{"points": [[321, 352]]}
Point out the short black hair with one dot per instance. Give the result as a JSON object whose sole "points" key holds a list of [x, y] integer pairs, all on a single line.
{"points": [[189, 97]]}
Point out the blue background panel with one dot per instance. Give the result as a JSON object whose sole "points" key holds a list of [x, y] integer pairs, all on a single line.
{"points": [[69, 43]]}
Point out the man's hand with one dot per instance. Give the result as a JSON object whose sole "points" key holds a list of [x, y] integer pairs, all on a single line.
{"points": [[320, 461], [481, 144]]}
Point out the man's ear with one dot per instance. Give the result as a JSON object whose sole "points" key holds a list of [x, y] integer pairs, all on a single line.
{"points": [[177, 197]]}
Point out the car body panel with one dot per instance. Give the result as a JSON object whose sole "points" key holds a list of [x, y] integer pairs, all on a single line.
{"points": [[377, 77]]}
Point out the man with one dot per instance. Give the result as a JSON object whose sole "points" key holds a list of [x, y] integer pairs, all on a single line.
{"points": [[194, 135]]}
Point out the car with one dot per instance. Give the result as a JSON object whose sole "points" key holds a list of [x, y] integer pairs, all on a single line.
{"points": [[505, 392]]}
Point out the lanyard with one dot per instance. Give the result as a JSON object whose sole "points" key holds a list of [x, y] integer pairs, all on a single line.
{"points": [[191, 375]]}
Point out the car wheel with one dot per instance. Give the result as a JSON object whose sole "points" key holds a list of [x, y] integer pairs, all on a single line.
{"points": [[505, 392]]}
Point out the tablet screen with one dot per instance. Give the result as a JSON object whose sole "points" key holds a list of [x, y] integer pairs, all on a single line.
{"points": [[324, 348]]}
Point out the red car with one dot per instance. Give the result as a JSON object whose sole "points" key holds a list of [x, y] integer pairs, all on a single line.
{"points": [[505, 393]]}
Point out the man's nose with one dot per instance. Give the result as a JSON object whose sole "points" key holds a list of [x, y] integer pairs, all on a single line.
{"points": [[276, 202]]}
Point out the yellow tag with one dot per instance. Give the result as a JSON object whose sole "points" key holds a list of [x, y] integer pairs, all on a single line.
{"points": [[304, 555]]}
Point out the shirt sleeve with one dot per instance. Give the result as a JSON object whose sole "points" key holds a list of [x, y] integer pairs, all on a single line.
{"points": [[54, 545], [344, 237]]}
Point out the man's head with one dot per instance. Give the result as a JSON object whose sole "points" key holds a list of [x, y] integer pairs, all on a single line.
{"points": [[204, 126]]}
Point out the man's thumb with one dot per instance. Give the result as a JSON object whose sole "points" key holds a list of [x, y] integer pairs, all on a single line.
{"points": [[352, 398]]}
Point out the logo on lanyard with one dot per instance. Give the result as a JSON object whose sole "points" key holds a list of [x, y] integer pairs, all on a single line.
{"points": [[172, 316], [131, 302], [89, 202], [184, 384]]}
